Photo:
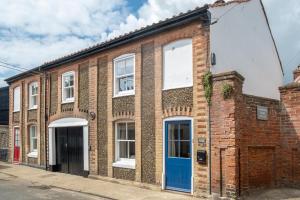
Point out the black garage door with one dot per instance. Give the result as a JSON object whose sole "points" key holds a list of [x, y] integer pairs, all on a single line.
{"points": [[69, 150]]}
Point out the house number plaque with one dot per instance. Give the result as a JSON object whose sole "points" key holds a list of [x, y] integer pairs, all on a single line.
{"points": [[262, 113]]}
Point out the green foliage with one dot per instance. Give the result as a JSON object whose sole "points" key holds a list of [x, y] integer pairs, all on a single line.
{"points": [[227, 91], [207, 85]]}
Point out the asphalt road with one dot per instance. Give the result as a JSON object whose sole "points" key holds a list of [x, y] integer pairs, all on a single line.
{"points": [[12, 188]]}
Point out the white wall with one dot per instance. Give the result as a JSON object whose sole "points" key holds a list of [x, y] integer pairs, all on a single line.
{"points": [[242, 42]]}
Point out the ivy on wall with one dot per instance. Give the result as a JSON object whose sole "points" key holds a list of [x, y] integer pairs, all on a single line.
{"points": [[207, 85]]}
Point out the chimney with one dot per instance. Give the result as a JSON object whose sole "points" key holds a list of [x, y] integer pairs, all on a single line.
{"points": [[297, 75]]}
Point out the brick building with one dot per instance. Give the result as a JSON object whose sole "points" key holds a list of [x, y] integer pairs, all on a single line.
{"points": [[134, 107]]}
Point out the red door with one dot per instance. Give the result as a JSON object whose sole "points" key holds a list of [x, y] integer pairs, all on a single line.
{"points": [[17, 145]]}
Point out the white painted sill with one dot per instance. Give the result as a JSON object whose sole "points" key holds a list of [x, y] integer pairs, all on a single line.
{"points": [[129, 164], [68, 101], [124, 94], [33, 154], [33, 108]]}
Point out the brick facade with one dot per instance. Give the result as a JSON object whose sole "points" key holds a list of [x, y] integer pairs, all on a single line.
{"points": [[148, 107]]}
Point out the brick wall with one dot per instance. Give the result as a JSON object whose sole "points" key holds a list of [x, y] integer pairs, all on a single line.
{"points": [[250, 153], [3, 136]]}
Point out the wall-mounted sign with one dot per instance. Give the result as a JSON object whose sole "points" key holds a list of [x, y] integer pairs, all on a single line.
{"points": [[262, 113], [202, 142]]}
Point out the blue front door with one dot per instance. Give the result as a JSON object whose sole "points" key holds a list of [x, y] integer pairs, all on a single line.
{"points": [[178, 156]]}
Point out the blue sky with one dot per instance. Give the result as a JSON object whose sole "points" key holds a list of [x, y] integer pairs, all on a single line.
{"points": [[33, 32]]}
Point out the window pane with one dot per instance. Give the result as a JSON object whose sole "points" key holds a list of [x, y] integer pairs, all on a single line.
{"points": [[120, 68], [123, 149], [34, 144], [71, 80], [185, 149], [121, 131], [173, 149], [66, 81], [130, 85], [122, 82], [131, 133], [184, 132], [33, 101], [132, 150], [173, 131], [71, 92], [129, 66]]}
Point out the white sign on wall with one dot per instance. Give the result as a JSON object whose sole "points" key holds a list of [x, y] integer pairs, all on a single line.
{"points": [[262, 113]]}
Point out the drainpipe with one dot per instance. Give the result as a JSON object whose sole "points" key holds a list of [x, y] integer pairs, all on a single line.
{"points": [[45, 120], [209, 148]]}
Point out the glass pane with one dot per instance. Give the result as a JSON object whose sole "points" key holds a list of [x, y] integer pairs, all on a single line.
{"points": [[33, 131], [131, 133], [131, 150], [120, 68], [173, 131], [71, 92], [173, 149], [129, 66], [130, 83], [185, 149], [122, 84], [34, 144], [121, 131], [123, 149], [67, 93], [71, 80], [34, 101], [184, 132], [66, 81]]}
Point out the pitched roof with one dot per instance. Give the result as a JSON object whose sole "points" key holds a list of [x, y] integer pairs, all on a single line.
{"points": [[200, 13]]}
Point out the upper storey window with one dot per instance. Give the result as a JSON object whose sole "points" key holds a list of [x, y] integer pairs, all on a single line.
{"points": [[17, 99], [68, 80], [124, 75], [178, 64], [33, 94]]}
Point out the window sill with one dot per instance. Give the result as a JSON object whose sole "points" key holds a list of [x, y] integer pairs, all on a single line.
{"points": [[32, 154], [16, 111], [130, 164], [68, 101], [124, 94], [34, 108]]}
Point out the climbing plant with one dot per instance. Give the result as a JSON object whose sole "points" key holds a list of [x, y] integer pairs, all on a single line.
{"points": [[227, 91], [207, 85]]}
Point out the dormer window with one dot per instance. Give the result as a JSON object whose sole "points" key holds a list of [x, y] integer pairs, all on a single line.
{"points": [[68, 80], [124, 75], [33, 94]]}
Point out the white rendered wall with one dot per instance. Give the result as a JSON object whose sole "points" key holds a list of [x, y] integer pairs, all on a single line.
{"points": [[242, 42]]}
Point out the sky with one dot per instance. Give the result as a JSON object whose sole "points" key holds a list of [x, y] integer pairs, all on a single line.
{"points": [[36, 31]]}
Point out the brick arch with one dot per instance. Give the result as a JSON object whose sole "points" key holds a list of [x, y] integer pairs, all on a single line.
{"points": [[124, 116], [178, 111]]}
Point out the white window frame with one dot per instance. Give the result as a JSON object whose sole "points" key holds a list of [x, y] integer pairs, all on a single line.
{"points": [[17, 107], [117, 93], [63, 98], [33, 152], [31, 96], [123, 162]]}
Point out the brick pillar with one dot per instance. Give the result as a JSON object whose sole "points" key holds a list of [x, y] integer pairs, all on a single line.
{"points": [[225, 134], [93, 137]]}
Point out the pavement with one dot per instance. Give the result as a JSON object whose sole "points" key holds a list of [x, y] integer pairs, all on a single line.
{"points": [[28, 181], [18, 182], [16, 189]]}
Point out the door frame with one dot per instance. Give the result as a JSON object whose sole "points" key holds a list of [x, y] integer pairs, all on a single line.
{"points": [[68, 122], [20, 151], [177, 118]]}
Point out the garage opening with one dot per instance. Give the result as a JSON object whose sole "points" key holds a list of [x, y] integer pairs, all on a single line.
{"points": [[69, 150]]}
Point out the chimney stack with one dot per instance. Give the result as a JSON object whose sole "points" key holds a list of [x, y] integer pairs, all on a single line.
{"points": [[297, 75]]}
